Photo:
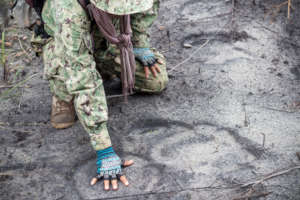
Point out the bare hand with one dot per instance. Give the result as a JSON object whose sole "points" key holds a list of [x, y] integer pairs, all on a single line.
{"points": [[154, 69]]}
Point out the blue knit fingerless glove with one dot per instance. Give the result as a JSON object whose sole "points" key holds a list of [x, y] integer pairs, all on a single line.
{"points": [[108, 163], [145, 56]]}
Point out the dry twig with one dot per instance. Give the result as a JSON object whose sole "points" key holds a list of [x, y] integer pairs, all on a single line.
{"points": [[17, 130], [246, 197], [289, 8], [269, 176], [117, 95], [264, 139], [276, 8], [21, 45], [233, 17], [203, 45], [298, 155]]}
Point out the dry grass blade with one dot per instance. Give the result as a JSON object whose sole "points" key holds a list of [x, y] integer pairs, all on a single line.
{"points": [[11, 86], [7, 92], [289, 8], [3, 57], [24, 51]]}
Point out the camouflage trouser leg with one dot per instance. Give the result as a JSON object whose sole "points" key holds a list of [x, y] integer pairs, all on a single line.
{"points": [[108, 62], [71, 69]]}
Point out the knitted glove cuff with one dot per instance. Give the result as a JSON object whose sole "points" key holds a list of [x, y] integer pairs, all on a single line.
{"points": [[145, 56], [105, 153]]}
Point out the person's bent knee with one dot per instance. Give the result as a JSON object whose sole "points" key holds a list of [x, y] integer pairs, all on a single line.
{"points": [[157, 85], [152, 85]]}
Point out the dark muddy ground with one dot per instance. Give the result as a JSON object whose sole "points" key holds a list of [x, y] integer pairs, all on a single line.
{"points": [[231, 114]]}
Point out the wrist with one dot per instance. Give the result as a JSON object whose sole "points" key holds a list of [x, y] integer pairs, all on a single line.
{"points": [[104, 153], [141, 49]]}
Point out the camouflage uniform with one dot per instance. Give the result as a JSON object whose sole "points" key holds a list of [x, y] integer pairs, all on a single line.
{"points": [[71, 63]]}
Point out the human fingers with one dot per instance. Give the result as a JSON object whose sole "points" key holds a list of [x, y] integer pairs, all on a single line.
{"points": [[114, 183], [106, 184], [157, 68], [94, 181], [159, 61], [124, 180], [152, 68], [127, 163], [146, 68]]}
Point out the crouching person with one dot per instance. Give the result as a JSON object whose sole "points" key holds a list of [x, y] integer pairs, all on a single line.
{"points": [[84, 37]]}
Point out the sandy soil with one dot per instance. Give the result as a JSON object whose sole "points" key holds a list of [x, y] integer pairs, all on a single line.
{"points": [[230, 114]]}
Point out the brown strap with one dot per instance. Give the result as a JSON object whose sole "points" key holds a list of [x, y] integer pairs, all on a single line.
{"points": [[30, 2], [123, 41]]}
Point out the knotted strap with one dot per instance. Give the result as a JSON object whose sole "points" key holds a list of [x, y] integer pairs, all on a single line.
{"points": [[30, 2], [37, 5], [123, 41]]}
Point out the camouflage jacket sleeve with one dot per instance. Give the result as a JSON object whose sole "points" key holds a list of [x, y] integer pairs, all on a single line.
{"points": [[141, 23]]}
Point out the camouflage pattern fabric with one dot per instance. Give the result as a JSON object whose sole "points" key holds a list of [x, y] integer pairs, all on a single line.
{"points": [[109, 63], [70, 66], [140, 24], [123, 7], [108, 59]]}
